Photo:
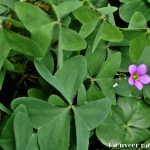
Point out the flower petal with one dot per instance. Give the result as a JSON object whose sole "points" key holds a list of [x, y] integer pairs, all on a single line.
{"points": [[142, 69], [139, 85], [145, 79], [132, 69], [130, 80]]}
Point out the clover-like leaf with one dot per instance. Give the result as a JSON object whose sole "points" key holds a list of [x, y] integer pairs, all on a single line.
{"points": [[4, 109], [41, 28], [33, 143], [95, 59], [106, 74], [56, 100], [88, 117], [107, 32], [107, 10], [40, 112], [2, 9], [22, 130], [94, 93], [126, 123], [57, 131], [25, 45], [71, 75], [137, 21], [81, 98], [71, 40], [90, 15], [10, 4], [49, 120], [93, 113], [66, 80], [136, 49], [7, 139], [128, 9], [65, 8], [2, 77]]}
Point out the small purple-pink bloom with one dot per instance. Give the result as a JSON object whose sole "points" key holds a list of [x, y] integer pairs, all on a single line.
{"points": [[138, 76]]}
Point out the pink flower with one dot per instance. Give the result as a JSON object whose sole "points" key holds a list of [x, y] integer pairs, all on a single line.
{"points": [[138, 76]]}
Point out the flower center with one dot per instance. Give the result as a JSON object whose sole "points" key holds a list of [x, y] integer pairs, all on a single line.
{"points": [[135, 76]]}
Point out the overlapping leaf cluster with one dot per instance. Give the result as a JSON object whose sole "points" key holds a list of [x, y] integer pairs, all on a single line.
{"points": [[81, 56]]}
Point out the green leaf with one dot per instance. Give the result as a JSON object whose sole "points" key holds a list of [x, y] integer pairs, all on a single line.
{"points": [[25, 45], [56, 2], [107, 32], [97, 39], [56, 100], [106, 74], [146, 93], [106, 85], [22, 130], [8, 65], [125, 123], [31, 13], [113, 127], [48, 61], [19, 68], [2, 9], [37, 93], [5, 49], [126, 1], [88, 28], [99, 4], [71, 40], [81, 97], [71, 75], [107, 10], [136, 118], [145, 57], [10, 4], [133, 135], [4, 109], [93, 113], [2, 77], [47, 75], [94, 93], [65, 8], [87, 117], [111, 19], [124, 88], [82, 134], [137, 21], [131, 34], [90, 14], [7, 140], [128, 9], [57, 131], [95, 59], [126, 60], [14, 22], [136, 49], [41, 28], [110, 67], [40, 112], [148, 39], [33, 143], [66, 80], [110, 32], [50, 121], [66, 21]]}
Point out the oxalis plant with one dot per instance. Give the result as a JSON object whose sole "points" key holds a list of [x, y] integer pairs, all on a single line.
{"points": [[74, 74]]}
